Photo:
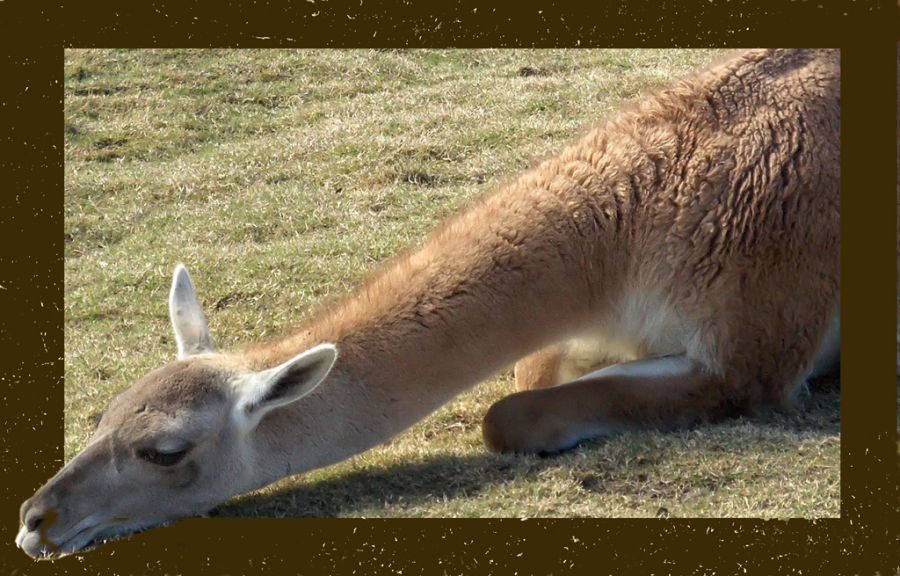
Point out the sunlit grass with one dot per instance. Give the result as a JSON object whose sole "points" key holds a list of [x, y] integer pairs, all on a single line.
{"points": [[281, 177]]}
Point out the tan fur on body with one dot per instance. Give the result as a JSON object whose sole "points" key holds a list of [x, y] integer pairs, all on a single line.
{"points": [[692, 242]]}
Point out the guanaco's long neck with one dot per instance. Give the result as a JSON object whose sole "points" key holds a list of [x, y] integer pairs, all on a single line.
{"points": [[513, 273], [520, 269]]}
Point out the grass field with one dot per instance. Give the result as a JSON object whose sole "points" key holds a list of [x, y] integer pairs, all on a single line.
{"points": [[281, 177]]}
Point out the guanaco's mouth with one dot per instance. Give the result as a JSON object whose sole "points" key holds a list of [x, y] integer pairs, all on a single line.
{"points": [[84, 536]]}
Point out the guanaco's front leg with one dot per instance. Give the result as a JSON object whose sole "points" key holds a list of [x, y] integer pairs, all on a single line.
{"points": [[664, 393]]}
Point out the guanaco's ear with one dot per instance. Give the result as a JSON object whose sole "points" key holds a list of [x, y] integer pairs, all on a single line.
{"points": [[188, 322], [261, 392]]}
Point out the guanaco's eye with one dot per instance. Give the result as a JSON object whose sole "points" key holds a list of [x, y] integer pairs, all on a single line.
{"points": [[161, 458]]}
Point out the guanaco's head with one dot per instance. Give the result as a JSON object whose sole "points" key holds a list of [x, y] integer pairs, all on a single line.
{"points": [[176, 443]]}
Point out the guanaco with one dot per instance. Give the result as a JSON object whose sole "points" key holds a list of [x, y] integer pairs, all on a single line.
{"points": [[678, 264]]}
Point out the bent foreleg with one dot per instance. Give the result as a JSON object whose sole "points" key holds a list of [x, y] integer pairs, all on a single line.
{"points": [[664, 393]]}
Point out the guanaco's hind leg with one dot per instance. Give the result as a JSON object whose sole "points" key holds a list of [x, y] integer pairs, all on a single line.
{"points": [[539, 370], [664, 393]]}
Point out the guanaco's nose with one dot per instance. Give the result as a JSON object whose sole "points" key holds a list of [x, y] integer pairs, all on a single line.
{"points": [[37, 511], [33, 520]]}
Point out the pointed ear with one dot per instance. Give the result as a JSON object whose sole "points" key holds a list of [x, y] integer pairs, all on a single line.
{"points": [[264, 391], [188, 322]]}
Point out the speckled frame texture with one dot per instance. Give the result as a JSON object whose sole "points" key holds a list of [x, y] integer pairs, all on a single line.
{"points": [[864, 540]]}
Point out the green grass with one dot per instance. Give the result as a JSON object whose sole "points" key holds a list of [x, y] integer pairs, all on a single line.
{"points": [[281, 177]]}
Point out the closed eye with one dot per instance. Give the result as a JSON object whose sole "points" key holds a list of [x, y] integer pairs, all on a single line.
{"points": [[161, 458]]}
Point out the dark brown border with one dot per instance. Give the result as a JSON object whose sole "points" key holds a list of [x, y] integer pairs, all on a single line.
{"points": [[862, 541]]}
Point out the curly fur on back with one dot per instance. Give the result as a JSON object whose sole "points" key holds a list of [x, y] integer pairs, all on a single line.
{"points": [[715, 200]]}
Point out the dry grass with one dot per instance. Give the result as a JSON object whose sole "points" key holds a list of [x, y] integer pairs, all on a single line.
{"points": [[281, 177]]}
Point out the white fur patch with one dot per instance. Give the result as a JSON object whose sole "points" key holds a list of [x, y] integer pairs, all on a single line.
{"points": [[583, 355], [663, 367], [641, 325]]}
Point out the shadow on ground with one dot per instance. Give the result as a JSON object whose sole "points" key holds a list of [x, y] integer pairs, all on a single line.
{"points": [[433, 480]]}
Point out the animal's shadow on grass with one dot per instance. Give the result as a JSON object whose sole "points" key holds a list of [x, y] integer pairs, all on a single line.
{"points": [[440, 479]]}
